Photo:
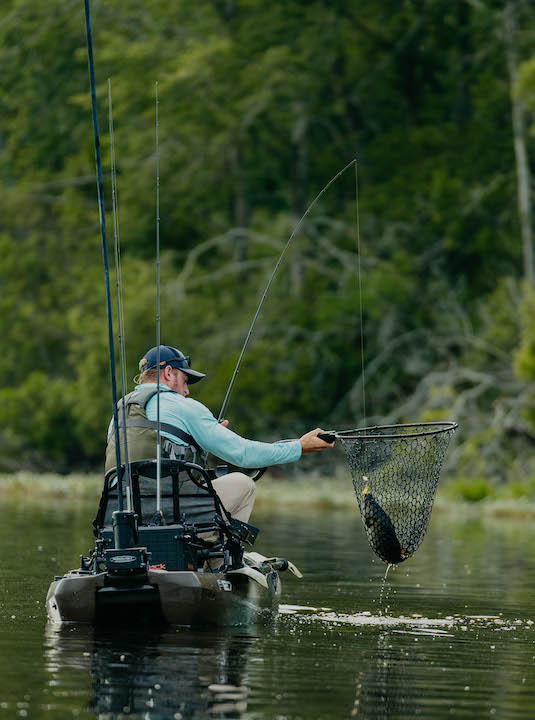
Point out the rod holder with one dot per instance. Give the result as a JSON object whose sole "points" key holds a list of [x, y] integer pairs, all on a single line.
{"points": [[124, 525]]}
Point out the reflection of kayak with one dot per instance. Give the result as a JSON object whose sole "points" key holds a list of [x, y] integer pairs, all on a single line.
{"points": [[146, 571], [153, 672]]}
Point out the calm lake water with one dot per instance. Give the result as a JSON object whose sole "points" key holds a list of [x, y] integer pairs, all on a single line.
{"points": [[449, 634]]}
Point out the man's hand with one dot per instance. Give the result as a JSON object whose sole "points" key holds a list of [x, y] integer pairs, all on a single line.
{"points": [[224, 423], [311, 442]]}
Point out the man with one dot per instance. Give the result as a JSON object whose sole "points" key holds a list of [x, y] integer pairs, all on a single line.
{"points": [[187, 423]]}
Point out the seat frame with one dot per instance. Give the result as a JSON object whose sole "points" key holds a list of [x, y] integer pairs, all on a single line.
{"points": [[228, 536]]}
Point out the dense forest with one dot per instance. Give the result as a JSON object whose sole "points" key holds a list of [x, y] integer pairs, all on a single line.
{"points": [[260, 105]]}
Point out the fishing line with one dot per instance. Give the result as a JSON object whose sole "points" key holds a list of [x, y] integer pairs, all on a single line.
{"points": [[158, 439], [120, 317], [359, 274], [102, 215], [249, 333]]}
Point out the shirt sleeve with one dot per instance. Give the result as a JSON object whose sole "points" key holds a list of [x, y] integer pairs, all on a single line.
{"points": [[230, 446]]}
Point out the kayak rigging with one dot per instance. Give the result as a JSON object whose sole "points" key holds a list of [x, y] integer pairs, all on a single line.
{"points": [[176, 554], [118, 286], [104, 243], [158, 420]]}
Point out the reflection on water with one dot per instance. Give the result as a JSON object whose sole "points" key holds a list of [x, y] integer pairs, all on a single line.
{"points": [[154, 674], [433, 667], [448, 634]]}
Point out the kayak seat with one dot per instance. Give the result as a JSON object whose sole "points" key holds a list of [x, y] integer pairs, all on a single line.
{"points": [[187, 501], [191, 526], [186, 495]]}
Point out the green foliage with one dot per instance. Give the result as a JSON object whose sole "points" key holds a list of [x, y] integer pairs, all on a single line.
{"points": [[472, 490], [525, 356], [260, 105]]}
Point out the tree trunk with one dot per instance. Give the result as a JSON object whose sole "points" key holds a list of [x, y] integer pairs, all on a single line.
{"points": [[523, 175], [240, 209], [464, 42], [300, 190]]}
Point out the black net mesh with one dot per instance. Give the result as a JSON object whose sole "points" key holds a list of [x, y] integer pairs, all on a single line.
{"points": [[395, 470]]}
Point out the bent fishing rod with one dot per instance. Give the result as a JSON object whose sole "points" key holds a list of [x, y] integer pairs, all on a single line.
{"points": [[264, 295], [328, 437], [100, 194]]}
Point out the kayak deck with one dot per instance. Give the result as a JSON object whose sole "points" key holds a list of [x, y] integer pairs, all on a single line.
{"points": [[177, 598]]}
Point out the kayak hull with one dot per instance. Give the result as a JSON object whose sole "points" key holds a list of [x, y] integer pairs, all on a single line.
{"points": [[177, 598]]}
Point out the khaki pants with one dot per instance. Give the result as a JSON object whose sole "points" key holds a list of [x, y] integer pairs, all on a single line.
{"points": [[237, 493]]}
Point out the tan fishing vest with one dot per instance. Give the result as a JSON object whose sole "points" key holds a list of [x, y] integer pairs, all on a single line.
{"points": [[141, 433]]}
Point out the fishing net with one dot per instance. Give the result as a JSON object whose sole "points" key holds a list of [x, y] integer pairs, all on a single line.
{"points": [[395, 471]]}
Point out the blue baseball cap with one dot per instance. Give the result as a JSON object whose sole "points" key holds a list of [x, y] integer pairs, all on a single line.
{"points": [[172, 357]]}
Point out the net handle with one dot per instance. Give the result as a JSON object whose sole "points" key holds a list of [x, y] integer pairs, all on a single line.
{"points": [[356, 434]]}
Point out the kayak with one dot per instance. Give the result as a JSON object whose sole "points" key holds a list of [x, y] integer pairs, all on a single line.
{"points": [[146, 570], [238, 597]]}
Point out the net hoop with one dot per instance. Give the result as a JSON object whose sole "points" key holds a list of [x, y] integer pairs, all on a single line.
{"points": [[395, 471], [375, 432]]}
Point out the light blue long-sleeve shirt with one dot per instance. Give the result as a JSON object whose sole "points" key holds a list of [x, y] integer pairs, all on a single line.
{"points": [[194, 418]]}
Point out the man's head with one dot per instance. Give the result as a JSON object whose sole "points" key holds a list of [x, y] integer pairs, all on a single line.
{"points": [[174, 369]]}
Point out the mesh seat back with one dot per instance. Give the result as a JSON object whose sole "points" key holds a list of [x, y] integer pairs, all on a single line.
{"points": [[181, 499]]}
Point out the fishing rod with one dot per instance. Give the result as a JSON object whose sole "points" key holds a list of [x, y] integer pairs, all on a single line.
{"points": [[359, 275], [158, 431], [116, 246], [251, 328], [100, 193]]}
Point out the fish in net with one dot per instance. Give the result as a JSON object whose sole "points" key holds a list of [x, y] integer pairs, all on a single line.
{"points": [[395, 471]]}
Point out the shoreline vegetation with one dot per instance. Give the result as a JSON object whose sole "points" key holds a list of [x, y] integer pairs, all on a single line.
{"points": [[410, 282], [311, 491]]}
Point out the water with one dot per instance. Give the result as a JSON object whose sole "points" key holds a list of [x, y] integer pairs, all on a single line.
{"points": [[450, 634]]}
